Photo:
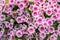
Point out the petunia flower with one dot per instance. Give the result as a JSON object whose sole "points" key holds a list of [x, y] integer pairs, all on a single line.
{"points": [[31, 30], [51, 29], [11, 1], [35, 14], [19, 33], [2, 17], [42, 35], [19, 19], [41, 29], [11, 32]]}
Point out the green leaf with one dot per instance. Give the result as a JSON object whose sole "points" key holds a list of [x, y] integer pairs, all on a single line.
{"points": [[27, 9], [45, 15], [31, 3], [37, 31], [33, 38], [15, 8], [47, 35], [16, 38], [4, 13], [16, 24], [7, 19], [58, 38], [6, 30], [55, 24], [23, 37]]}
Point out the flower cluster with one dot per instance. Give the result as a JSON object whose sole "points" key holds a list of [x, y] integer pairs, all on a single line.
{"points": [[29, 19]]}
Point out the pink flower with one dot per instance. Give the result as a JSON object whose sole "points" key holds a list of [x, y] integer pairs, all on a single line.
{"points": [[19, 33], [58, 10], [11, 37], [14, 15], [56, 33], [39, 20], [24, 18], [34, 20], [10, 26], [7, 9], [50, 22], [59, 29], [22, 27], [36, 1], [18, 19], [35, 14], [35, 8], [51, 29], [20, 12], [36, 25], [31, 25], [46, 5], [44, 23], [2, 2], [10, 5], [1, 8], [52, 37], [58, 19], [41, 1], [25, 32], [58, 0], [55, 10], [1, 34], [48, 12], [47, 30], [17, 2], [31, 30], [7, 24], [54, 17], [26, 4], [52, 1], [21, 5], [2, 17], [42, 35], [31, 7], [42, 29], [11, 1], [11, 32], [28, 20]]}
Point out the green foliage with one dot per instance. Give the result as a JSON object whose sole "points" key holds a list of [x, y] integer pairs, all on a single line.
{"points": [[45, 15], [31, 3], [15, 8], [16, 25], [7, 19], [33, 38], [55, 24], [6, 30], [16, 38], [47, 36], [27, 9], [58, 38], [37, 31]]}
